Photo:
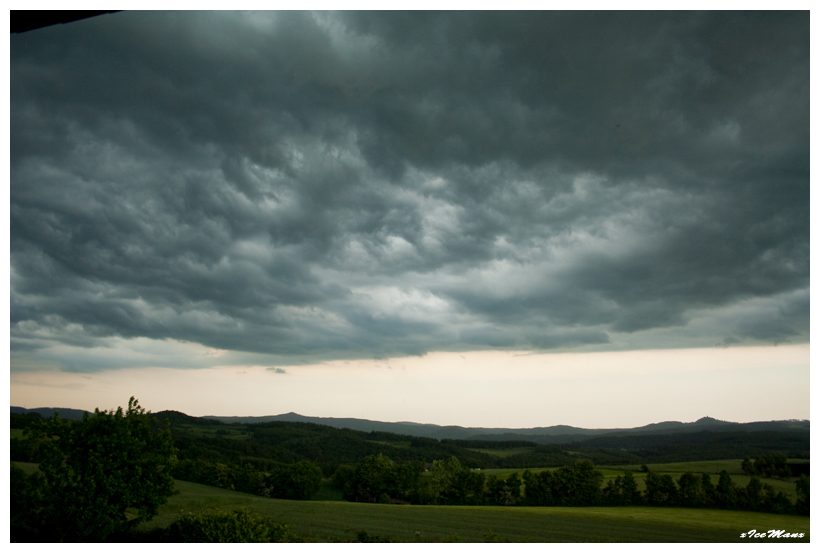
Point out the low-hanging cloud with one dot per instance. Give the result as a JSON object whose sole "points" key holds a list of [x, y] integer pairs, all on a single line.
{"points": [[312, 186]]}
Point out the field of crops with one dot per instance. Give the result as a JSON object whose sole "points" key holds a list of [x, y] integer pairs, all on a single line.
{"points": [[340, 521]]}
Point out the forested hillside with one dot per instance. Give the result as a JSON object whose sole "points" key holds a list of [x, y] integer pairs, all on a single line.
{"points": [[559, 434], [271, 444]]}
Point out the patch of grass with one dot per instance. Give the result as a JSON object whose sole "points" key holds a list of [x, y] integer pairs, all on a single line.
{"points": [[732, 466], [340, 521], [504, 452], [786, 486]]}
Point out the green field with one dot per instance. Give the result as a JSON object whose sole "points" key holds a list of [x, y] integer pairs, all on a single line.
{"points": [[503, 452], [330, 520], [732, 466], [341, 521]]}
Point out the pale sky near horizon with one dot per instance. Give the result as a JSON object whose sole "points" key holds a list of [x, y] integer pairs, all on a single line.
{"points": [[486, 389], [476, 218]]}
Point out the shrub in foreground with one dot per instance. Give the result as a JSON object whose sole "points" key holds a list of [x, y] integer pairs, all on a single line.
{"points": [[91, 471], [237, 526]]}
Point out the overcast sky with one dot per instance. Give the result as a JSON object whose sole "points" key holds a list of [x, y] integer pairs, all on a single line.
{"points": [[285, 189]]}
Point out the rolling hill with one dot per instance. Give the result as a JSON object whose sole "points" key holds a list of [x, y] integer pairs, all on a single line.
{"points": [[542, 435]]}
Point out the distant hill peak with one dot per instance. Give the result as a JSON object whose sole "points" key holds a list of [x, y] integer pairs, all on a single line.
{"points": [[710, 420]]}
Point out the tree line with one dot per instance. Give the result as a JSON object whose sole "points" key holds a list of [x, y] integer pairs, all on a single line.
{"points": [[379, 479], [299, 480]]}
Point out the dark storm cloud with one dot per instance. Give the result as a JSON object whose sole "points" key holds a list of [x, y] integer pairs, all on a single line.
{"points": [[377, 184]]}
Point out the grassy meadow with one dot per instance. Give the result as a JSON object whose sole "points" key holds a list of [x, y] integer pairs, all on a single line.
{"points": [[329, 521]]}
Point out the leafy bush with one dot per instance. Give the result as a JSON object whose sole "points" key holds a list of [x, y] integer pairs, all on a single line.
{"points": [[363, 537], [370, 480], [376, 478], [237, 526], [296, 481], [95, 469], [772, 465]]}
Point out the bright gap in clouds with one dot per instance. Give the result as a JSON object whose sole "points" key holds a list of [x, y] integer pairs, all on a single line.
{"points": [[486, 388]]}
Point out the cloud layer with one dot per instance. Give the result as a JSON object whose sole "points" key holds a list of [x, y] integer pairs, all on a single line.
{"points": [[364, 184]]}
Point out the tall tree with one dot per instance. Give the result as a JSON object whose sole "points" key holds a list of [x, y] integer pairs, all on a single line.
{"points": [[300, 480], [629, 489], [371, 480], [726, 492], [690, 492], [578, 484], [709, 492], [660, 489], [538, 488], [95, 469]]}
